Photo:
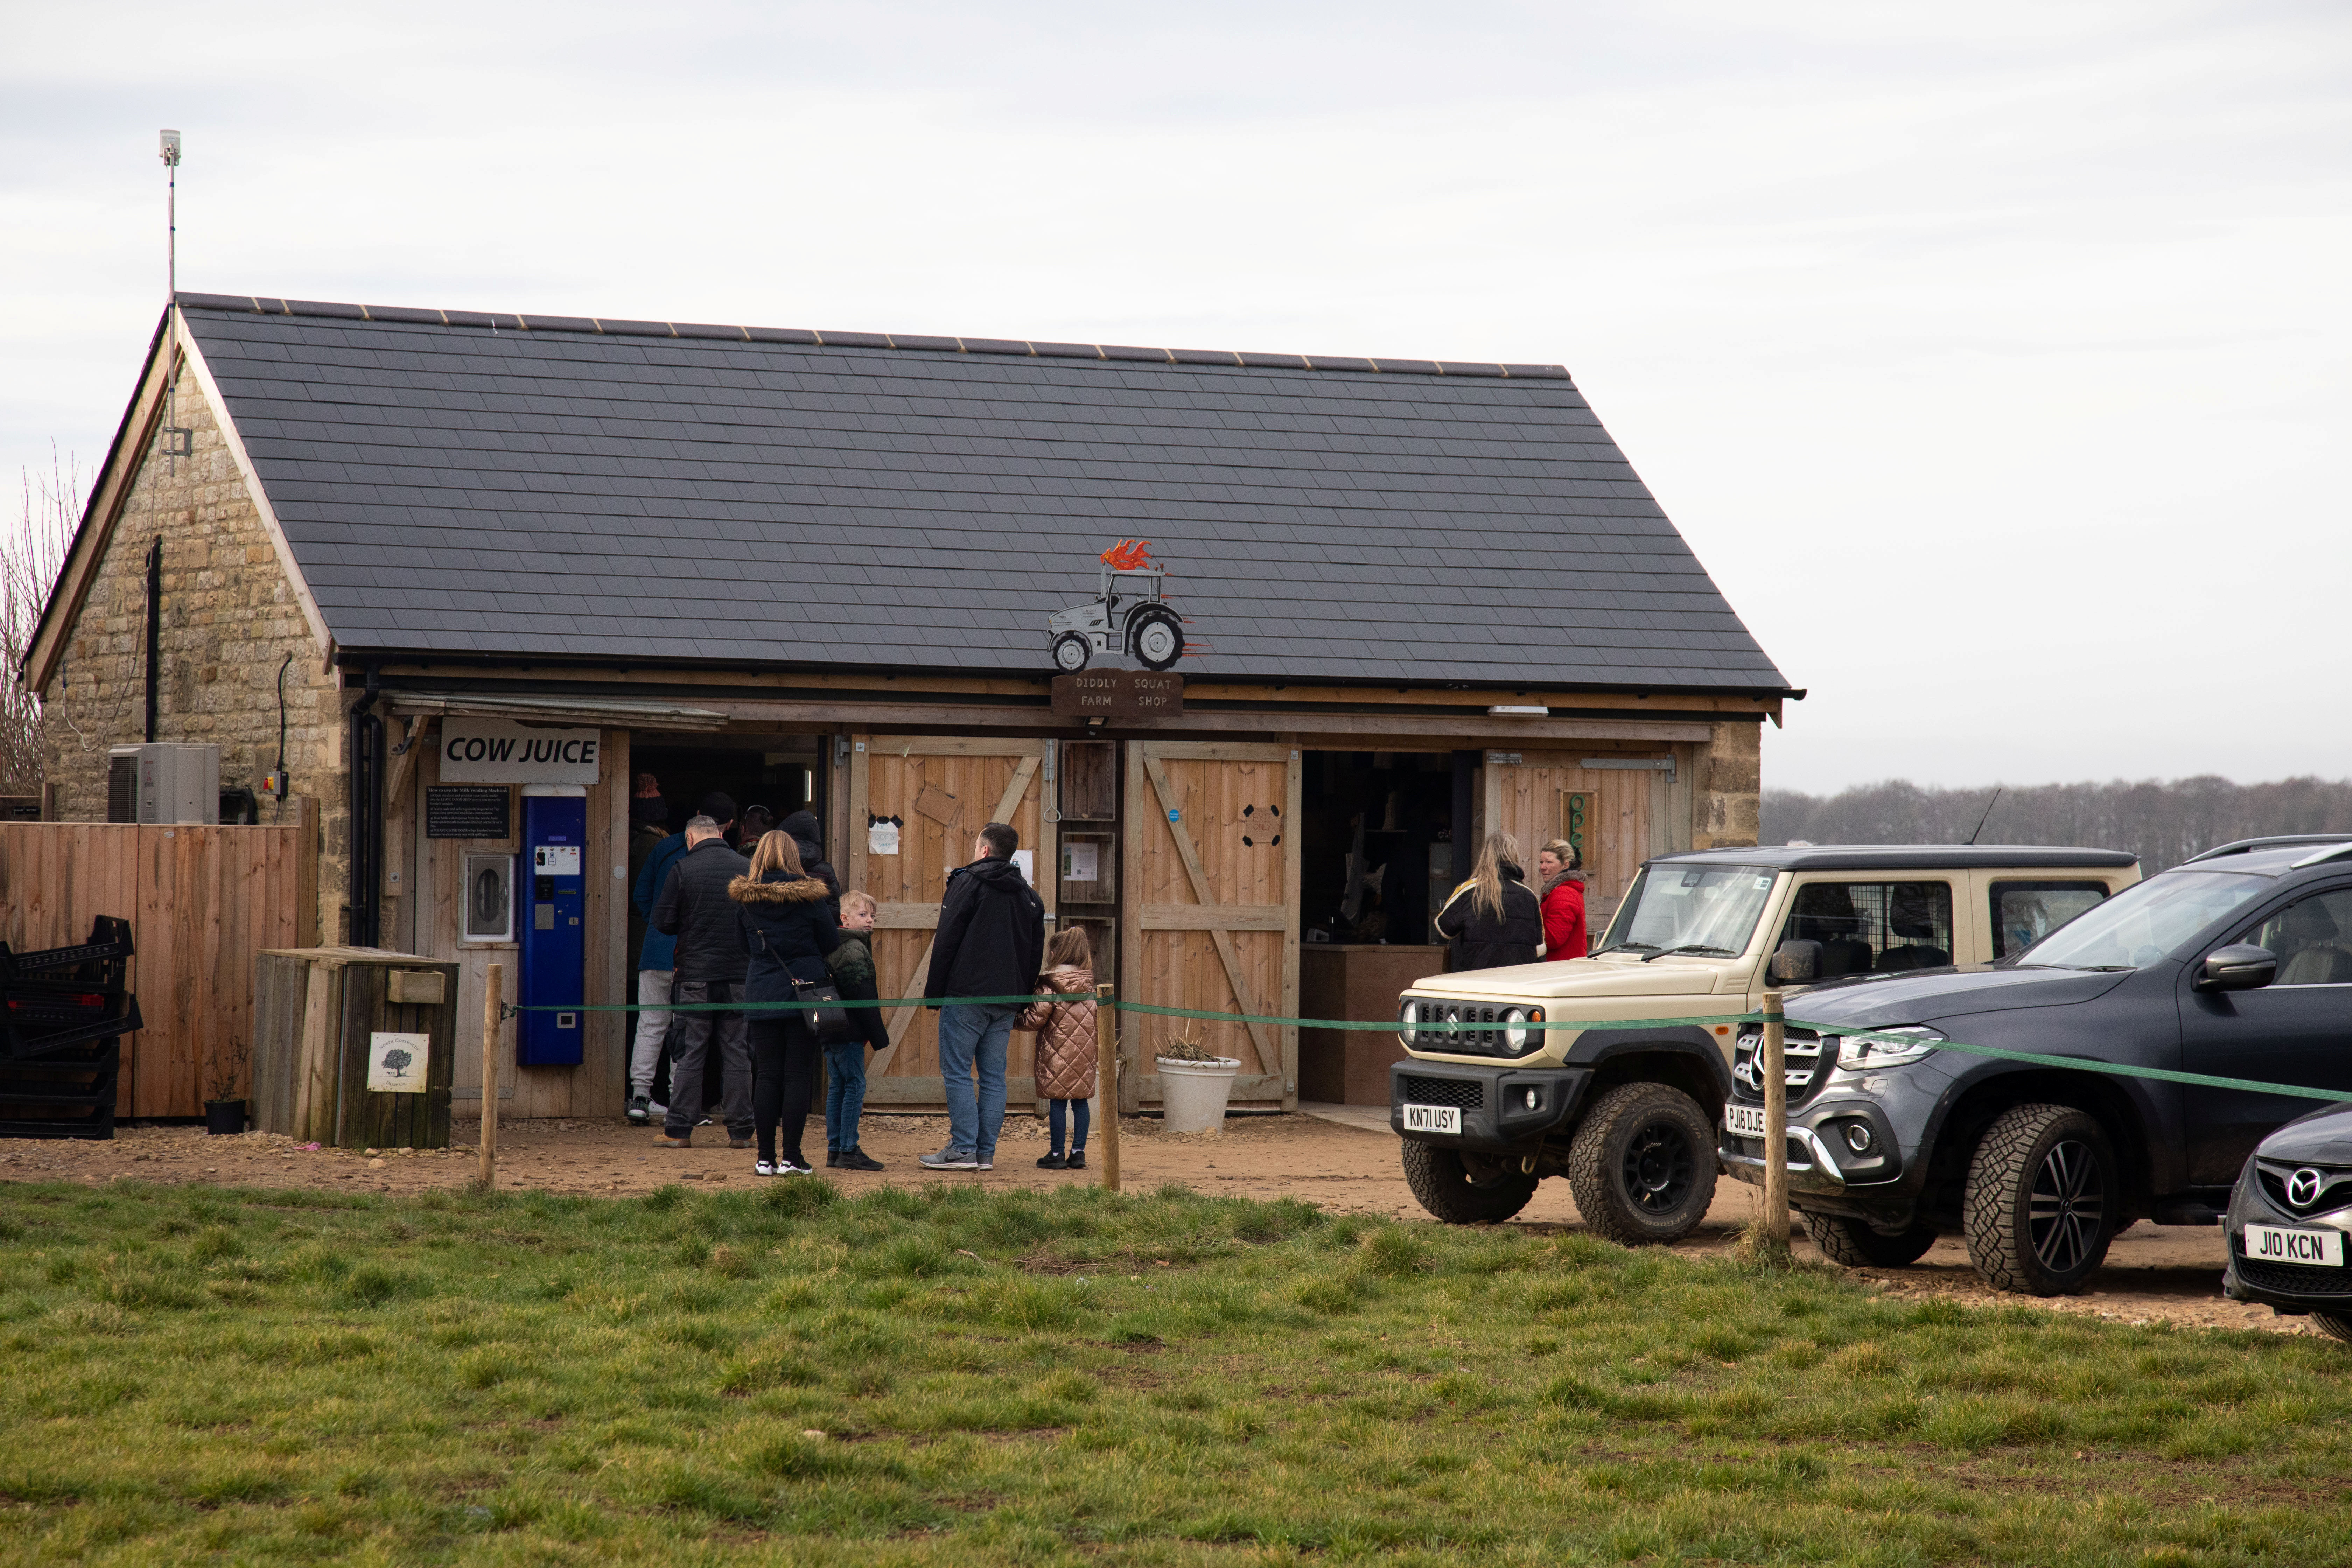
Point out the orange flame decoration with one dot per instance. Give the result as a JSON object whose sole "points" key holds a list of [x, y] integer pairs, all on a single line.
{"points": [[1128, 555]]}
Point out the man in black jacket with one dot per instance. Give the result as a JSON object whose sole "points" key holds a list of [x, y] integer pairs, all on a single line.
{"points": [[990, 943], [694, 907]]}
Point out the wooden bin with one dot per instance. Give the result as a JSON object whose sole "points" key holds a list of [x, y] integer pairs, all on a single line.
{"points": [[319, 1015]]}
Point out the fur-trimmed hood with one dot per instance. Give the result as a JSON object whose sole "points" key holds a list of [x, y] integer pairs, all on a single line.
{"points": [[799, 890], [1065, 978]]}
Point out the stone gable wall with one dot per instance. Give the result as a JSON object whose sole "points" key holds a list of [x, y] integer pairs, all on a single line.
{"points": [[230, 620], [1732, 785]]}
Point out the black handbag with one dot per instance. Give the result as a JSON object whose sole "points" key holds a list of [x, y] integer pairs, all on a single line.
{"points": [[830, 1025]]}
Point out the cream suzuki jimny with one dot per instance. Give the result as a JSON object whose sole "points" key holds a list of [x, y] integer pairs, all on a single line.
{"points": [[1628, 1112]]}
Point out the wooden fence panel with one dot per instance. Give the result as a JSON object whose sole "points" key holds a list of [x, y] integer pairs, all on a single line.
{"points": [[202, 902]]}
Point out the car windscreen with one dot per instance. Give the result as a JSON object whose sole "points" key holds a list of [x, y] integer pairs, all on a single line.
{"points": [[2144, 923], [1712, 907]]}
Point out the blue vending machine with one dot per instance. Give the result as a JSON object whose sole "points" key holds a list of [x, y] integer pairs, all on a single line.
{"points": [[552, 887]]}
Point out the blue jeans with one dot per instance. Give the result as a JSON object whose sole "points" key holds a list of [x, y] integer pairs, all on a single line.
{"points": [[844, 1093], [970, 1038]]}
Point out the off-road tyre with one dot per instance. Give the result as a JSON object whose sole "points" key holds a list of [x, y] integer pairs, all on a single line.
{"points": [[1441, 1182], [1156, 626], [1641, 1165], [2040, 1205], [1851, 1242], [2334, 1325], [1071, 652]]}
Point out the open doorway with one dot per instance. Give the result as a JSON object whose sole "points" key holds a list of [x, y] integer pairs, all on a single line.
{"points": [[1377, 845], [781, 773]]}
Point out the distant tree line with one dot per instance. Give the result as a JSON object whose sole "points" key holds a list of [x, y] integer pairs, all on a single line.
{"points": [[2162, 823]]}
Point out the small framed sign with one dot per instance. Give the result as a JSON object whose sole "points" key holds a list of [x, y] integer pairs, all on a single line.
{"points": [[396, 1063]]}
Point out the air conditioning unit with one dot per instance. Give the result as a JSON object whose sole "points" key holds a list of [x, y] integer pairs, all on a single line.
{"points": [[163, 781]]}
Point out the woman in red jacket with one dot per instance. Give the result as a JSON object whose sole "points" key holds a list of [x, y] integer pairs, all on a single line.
{"points": [[1560, 870]]}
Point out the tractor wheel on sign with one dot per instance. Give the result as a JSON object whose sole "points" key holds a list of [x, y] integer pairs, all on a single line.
{"points": [[1071, 652], [1642, 1165], [1156, 637], [1852, 1243], [1451, 1188], [2040, 1205]]}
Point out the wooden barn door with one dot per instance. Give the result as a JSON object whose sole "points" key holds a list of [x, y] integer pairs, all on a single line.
{"points": [[1211, 909], [941, 791]]}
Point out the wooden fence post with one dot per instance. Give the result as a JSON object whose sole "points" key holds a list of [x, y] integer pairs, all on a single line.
{"points": [[305, 875], [1773, 1064], [493, 992], [1106, 1080]]}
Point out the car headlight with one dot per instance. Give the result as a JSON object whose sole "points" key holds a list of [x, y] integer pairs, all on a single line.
{"points": [[1407, 1016], [1515, 1034], [1857, 1055]]}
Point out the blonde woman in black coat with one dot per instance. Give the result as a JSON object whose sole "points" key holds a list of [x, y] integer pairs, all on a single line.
{"points": [[1494, 919]]}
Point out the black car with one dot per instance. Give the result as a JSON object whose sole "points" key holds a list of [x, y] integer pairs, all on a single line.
{"points": [[2238, 964], [2289, 1220]]}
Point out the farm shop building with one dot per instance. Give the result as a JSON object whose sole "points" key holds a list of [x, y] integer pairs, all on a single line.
{"points": [[1424, 600]]}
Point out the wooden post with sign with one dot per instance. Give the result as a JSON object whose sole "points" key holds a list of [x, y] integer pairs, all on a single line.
{"points": [[493, 995], [1106, 1080], [1773, 1064]]}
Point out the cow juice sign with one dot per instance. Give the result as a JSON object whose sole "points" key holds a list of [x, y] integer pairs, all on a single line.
{"points": [[500, 750]]}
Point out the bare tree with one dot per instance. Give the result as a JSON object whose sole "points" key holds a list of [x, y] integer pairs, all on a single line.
{"points": [[2162, 822], [32, 553]]}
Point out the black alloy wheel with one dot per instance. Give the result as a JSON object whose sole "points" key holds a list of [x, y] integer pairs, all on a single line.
{"points": [[2043, 1193], [1659, 1167], [2067, 1207], [1641, 1165]]}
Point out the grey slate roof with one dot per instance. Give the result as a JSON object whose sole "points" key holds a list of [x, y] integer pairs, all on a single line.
{"points": [[484, 485]]}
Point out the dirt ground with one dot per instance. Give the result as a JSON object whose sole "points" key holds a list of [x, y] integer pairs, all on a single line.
{"points": [[2154, 1273]]}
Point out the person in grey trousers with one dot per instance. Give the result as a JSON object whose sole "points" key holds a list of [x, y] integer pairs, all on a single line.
{"points": [[695, 908]]}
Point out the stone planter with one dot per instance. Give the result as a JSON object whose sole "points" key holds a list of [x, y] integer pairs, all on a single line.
{"points": [[1193, 1095]]}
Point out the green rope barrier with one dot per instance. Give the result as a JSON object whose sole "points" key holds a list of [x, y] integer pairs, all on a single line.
{"points": [[2087, 1064]]}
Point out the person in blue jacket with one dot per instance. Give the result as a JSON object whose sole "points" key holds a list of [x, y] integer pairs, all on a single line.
{"points": [[658, 961]]}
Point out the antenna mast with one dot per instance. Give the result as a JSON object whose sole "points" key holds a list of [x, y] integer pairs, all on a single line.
{"points": [[178, 441]]}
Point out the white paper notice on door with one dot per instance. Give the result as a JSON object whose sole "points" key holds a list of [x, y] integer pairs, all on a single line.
{"points": [[1081, 862], [882, 838], [396, 1063], [1027, 860]]}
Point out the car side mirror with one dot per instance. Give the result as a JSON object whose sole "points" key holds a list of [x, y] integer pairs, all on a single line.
{"points": [[1796, 962], [2240, 966]]}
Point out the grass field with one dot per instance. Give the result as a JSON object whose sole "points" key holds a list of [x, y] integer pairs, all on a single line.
{"points": [[206, 1375]]}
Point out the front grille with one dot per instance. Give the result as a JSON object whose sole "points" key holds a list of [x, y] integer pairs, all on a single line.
{"points": [[1800, 1065], [2334, 1192], [1480, 1042], [1468, 1094], [2294, 1280]]}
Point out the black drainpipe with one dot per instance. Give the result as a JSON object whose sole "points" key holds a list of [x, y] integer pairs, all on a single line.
{"points": [[154, 628], [367, 817]]}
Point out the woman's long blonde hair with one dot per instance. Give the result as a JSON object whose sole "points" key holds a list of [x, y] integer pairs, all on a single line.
{"points": [[777, 852], [1487, 882]]}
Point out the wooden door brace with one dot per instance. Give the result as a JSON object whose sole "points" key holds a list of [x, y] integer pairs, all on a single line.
{"points": [[904, 1017], [1260, 1038]]}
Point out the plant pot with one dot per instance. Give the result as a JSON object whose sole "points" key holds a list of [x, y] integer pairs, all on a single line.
{"points": [[1193, 1095], [224, 1117]]}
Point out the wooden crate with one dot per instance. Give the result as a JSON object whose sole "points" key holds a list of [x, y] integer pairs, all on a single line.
{"points": [[317, 1014]]}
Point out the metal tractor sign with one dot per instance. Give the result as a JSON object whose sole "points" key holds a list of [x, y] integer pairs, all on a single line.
{"points": [[1131, 614]]}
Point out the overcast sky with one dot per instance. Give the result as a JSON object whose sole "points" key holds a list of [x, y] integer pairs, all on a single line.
{"points": [[1992, 357]]}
